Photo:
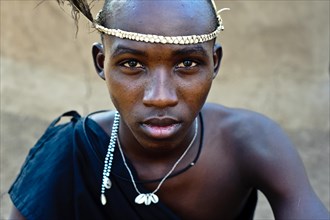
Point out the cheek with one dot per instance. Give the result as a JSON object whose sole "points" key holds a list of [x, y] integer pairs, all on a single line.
{"points": [[123, 92], [195, 92]]}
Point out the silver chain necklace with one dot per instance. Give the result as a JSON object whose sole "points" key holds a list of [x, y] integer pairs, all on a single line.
{"points": [[146, 198]]}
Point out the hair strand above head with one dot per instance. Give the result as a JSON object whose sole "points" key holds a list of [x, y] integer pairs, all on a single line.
{"points": [[79, 6]]}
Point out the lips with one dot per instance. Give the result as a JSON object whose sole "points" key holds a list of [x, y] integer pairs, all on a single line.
{"points": [[160, 128]]}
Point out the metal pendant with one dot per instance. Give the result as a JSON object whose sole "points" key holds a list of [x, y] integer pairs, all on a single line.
{"points": [[147, 198]]}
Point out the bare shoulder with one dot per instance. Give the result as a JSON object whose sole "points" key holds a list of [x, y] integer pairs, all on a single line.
{"points": [[239, 124], [253, 138], [267, 160]]}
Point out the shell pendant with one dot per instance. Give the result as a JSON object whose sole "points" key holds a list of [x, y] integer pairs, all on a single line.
{"points": [[147, 198]]}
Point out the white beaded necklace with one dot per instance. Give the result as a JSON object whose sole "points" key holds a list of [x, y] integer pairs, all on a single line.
{"points": [[146, 198], [106, 182]]}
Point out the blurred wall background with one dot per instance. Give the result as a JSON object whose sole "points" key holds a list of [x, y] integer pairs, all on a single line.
{"points": [[276, 61]]}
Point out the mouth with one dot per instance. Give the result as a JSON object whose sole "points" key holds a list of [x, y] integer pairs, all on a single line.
{"points": [[160, 128]]}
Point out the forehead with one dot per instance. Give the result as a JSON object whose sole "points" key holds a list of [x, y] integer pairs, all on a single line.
{"points": [[161, 17], [115, 47]]}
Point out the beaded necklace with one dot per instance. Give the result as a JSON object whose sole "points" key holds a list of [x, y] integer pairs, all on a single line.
{"points": [[146, 198]]}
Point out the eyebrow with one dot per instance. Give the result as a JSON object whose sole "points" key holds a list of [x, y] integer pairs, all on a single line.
{"points": [[196, 49], [120, 49]]}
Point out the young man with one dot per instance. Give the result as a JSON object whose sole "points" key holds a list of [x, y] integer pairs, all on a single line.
{"points": [[164, 153]]}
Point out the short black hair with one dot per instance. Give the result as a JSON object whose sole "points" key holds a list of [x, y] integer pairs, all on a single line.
{"points": [[84, 7], [107, 7]]}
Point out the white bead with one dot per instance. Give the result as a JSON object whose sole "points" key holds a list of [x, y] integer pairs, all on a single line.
{"points": [[163, 40], [168, 40], [103, 199]]}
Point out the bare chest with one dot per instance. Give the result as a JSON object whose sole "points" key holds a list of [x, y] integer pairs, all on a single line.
{"points": [[211, 189]]}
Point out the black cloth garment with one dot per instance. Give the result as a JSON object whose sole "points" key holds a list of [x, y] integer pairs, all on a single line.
{"points": [[61, 179]]}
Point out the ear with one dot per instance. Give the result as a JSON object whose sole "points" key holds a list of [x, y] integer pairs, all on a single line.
{"points": [[98, 58], [217, 56]]}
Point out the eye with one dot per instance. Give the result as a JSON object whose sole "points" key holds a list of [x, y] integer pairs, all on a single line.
{"points": [[132, 64], [187, 64]]}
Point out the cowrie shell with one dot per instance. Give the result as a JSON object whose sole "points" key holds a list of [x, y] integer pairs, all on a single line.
{"points": [[147, 199], [140, 199], [154, 198]]}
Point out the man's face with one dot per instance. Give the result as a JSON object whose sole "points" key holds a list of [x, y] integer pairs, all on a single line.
{"points": [[158, 89]]}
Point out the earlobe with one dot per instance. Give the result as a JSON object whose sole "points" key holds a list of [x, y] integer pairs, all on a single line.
{"points": [[217, 56], [98, 58]]}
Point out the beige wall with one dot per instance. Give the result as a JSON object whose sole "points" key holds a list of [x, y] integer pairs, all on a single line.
{"points": [[276, 61]]}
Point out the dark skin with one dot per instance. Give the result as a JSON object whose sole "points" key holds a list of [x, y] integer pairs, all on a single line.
{"points": [[163, 87]]}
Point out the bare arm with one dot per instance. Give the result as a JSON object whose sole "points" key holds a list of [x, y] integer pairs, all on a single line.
{"points": [[15, 214], [274, 167]]}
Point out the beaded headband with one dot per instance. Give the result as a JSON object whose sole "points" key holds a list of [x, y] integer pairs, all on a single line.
{"points": [[150, 38]]}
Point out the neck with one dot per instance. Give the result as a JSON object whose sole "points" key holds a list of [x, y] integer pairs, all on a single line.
{"points": [[161, 157]]}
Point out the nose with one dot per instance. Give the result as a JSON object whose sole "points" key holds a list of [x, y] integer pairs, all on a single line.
{"points": [[160, 90]]}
